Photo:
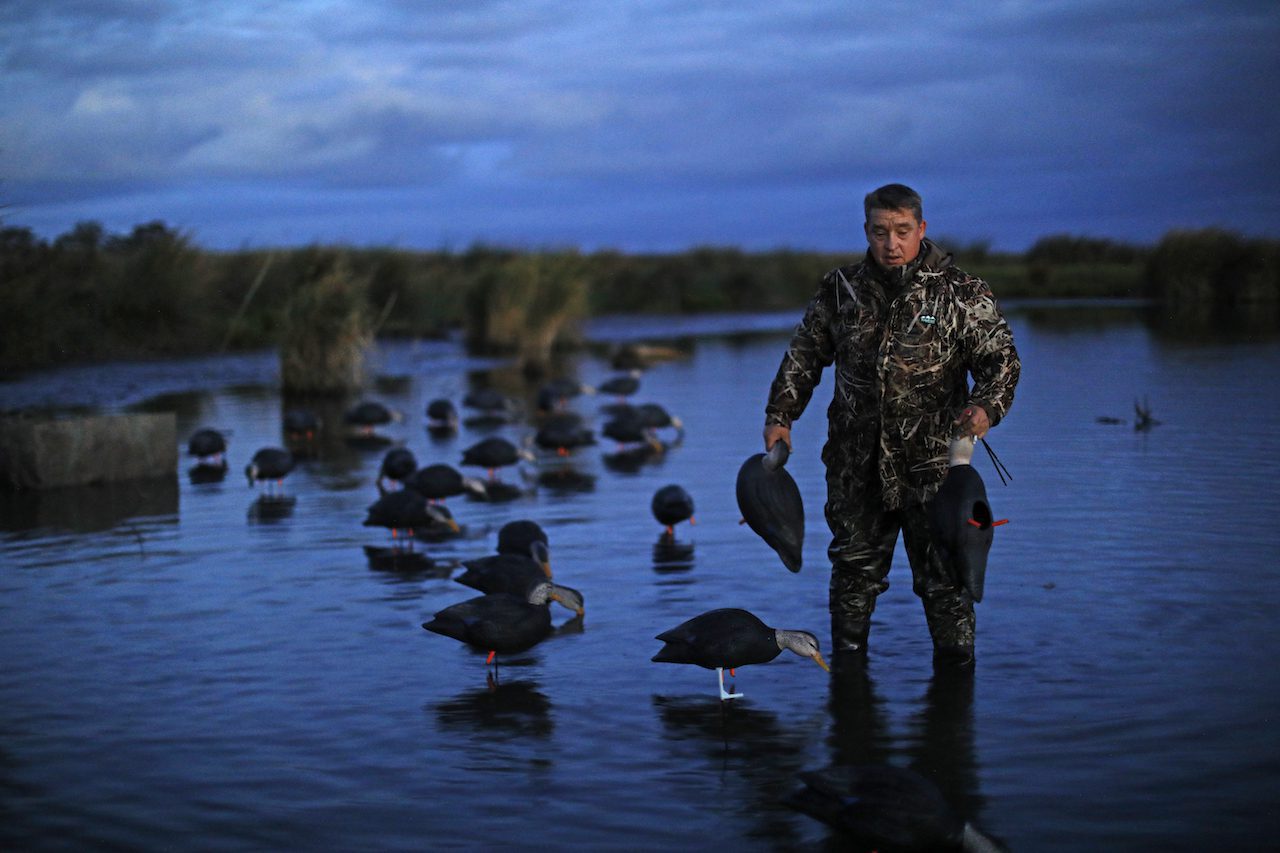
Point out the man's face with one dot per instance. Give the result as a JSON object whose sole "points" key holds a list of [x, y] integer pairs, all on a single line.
{"points": [[894, 236]]}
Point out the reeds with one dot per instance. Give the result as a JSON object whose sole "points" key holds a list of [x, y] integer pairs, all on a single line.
{"points": [[527, 305], [326, 332]]}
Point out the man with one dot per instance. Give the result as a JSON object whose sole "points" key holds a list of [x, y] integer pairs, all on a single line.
{"points": [[904, 328]]}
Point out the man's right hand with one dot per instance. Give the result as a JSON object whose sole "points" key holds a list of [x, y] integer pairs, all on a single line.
{"points": [[773, 433]]}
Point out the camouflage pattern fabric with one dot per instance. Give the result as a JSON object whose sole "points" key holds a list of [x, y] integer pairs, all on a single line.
{"points": [[903, 351]]}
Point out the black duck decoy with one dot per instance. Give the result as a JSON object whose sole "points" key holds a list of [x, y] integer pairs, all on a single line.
{"points": [[771, 505], [622, 386], [209, 447], [672, 505], [269, 465], [493, 453], [398, 465], [369, 414], [727, 638], [882, 807], [563, 432], [627, 428], [300, 425], [488, 400], [556, 394], [439, 482], [408, 511], [498, 622], [961, 520], [516, 575], [442, 417]]}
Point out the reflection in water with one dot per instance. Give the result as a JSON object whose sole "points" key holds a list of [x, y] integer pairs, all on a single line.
{"points": [[88, 509], [205, 474], [671, 556], [406, 562], [566, 479], [754, 753], [941, 745], [272, 508], [516, 708]]}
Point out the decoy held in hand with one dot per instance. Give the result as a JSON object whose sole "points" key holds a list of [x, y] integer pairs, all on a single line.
{"points": [[406, 512], [882, 807], [770, 503], [209, 447], [269, 465], [398, 465], [498, 622], [672, 505], [961, 519], [728, 638]]}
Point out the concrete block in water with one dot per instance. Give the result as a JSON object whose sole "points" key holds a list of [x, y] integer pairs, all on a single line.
{"points": [[46, 453]]}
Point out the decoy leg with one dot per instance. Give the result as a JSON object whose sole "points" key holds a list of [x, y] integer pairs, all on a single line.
{"points": [[723, 694]]}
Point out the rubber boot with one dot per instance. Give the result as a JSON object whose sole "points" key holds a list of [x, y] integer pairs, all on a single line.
{"points": [[952, 628], [849, 633]]}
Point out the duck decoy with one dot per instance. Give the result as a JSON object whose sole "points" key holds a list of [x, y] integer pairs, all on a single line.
{"points": [[627, 428], [269, 465], [515, 575], [622, 386], [556, 394], [882, 807], [526, 538], [672, 505], [493, 453], [439, 482], [369, 414], [961, 519], [563, 432], [209, 447], [408, 511], [398, 465], [727, 638], [442, 417], [498, 622], [771, 505], [300, 425]]}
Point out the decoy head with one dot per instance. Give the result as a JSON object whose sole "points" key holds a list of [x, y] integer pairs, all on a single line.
{"points": [[441, 515], [541, 553], [802, 643], [960, 451], [569, 597], [251, 471]]}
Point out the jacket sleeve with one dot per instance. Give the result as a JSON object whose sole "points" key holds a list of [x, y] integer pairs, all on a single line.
{"points": [[992, 359], [811, 349]]}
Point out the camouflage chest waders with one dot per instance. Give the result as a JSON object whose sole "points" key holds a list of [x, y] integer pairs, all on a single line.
{"points": [[902, 352]]}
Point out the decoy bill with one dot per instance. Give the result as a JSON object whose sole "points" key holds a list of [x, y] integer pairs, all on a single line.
{"points": [[961, 519], [728, 638], [771, 505]]}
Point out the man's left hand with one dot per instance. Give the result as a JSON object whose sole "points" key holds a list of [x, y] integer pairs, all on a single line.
{"points": [[973, 421]]}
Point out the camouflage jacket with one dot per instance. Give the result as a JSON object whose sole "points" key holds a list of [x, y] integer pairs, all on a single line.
{"points": [[902, 356]]}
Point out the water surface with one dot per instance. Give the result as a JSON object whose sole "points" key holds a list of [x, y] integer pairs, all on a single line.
{"points": [[180, 670]]}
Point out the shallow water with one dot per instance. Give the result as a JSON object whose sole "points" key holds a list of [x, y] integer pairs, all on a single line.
{"points": [[179, 670]]}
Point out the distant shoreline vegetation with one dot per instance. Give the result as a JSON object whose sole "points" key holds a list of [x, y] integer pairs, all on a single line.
{"points": [[89, 295]]}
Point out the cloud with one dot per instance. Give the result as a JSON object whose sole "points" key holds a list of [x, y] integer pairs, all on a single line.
{"points": [[1072, 109]]}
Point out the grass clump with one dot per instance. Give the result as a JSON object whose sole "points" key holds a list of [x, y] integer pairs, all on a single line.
{"points": [[327, 331]]}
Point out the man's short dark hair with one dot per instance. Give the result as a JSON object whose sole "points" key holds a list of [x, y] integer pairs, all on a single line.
{"points": [[893, 197]]}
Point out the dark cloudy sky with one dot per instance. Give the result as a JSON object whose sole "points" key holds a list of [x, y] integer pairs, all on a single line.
{"points": [[638, 125]]}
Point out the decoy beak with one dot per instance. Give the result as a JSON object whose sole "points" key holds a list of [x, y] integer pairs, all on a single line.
{"points": [[453, 525], [581, 611], [546, 568], [817, 658]]}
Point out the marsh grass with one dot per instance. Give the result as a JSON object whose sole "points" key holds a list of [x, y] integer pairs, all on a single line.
{"points": [[327, 332], [90, 295]]}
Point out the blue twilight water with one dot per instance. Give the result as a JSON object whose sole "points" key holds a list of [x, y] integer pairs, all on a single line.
{"points": [[180, 673]]}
